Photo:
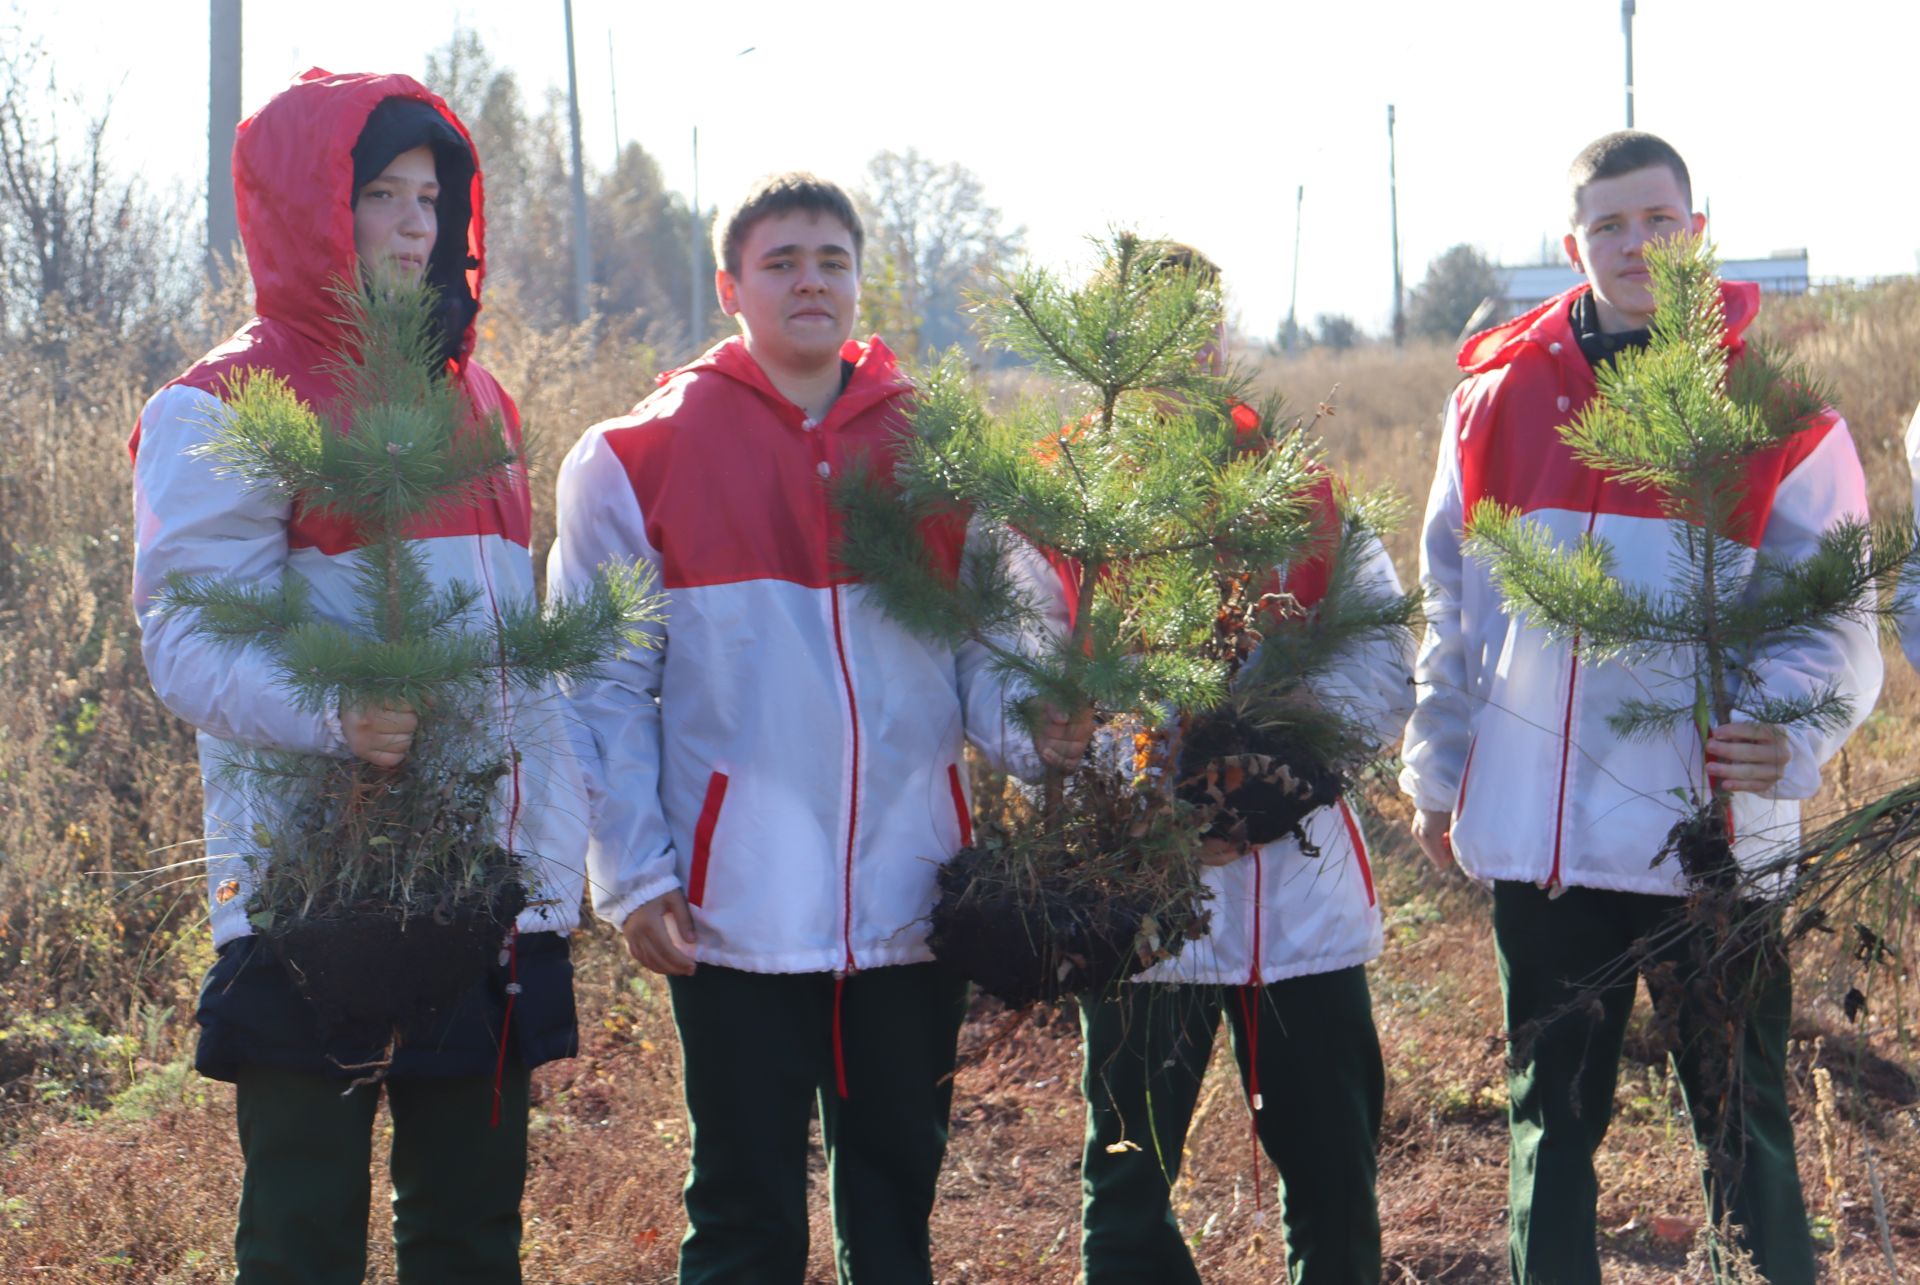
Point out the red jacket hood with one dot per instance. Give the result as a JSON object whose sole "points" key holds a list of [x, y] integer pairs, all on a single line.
{"points": [[293, 189], [1552, 322], [876, 374]]}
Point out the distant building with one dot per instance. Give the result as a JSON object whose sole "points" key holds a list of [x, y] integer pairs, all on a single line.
{"points": [[1782, 272]]}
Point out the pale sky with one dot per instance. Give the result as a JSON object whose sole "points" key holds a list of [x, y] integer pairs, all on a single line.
{"points": [[1195, 121]]}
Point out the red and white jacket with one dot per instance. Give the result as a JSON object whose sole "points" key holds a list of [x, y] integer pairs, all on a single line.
{"points": [[1510, 731], [787, 756], [1276, 912], [293, 172]]}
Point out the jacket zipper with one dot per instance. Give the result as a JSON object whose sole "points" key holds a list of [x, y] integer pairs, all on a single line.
{"points": [[816, 429], [853, 789], [1566, 740], [825, 469]]}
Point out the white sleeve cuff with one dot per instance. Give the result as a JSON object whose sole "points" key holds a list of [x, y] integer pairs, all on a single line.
{"points": [[616, 910]]}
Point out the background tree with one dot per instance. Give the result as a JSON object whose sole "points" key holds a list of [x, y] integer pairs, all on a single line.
{"points": [[1291, 336], [1336, 331], [84, 244], [931, 237], [640, 266], [1455, 284], [639, 229]]}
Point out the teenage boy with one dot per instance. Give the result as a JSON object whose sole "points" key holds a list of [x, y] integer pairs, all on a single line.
{"points": [[783, 775], [1285, 961], [1517, 776], [338, 178]]}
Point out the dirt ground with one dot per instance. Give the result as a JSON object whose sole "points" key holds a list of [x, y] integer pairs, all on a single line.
{"points": [[147, 1194]]}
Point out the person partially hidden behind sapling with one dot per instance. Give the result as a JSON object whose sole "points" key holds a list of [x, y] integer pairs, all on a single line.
{"points": [[345, 178]]}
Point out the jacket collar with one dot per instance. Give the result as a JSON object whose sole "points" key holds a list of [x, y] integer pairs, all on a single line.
{"points": [[1549, 327], [876, 376]]}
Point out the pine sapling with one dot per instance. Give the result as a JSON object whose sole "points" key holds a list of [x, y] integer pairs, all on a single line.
{"points": [[1100, 535], [1278, 748], [387, 890], [1692, 424], [1679, 420]]}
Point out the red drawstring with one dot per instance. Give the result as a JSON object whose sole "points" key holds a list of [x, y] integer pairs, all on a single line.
{"points": [[1249, 997], [506, 1022], [1250, 1013], [839, 1049]]}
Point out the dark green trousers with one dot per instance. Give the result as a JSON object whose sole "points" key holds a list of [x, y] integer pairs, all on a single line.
{"points": [[758, 1055], [306, 1193], [1322, 1086], [1562, 1078]]}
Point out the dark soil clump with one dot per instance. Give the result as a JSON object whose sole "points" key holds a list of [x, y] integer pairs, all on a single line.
{"points": [[1260, 784], [1072, 940], [377, 974], [1704, 848]]}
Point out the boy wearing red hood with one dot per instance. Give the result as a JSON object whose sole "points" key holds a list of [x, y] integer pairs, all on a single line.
{"points": [[1517, 776], [778, 780], [337, 177]]}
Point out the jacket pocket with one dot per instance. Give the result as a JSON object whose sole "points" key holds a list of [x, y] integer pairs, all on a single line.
{"points": [[703, 837], [961, 811], [1359, 850]]}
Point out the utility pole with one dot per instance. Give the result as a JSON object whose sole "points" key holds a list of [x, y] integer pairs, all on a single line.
{"points": [[1626, 26], [1293, 301], [699, 291], [1393, 194], [223, 119], [613, 93], [696, 333], [582, 250]]}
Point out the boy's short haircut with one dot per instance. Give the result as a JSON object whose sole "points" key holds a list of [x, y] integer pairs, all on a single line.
{"points": [[1622, 152], [780, 194]]}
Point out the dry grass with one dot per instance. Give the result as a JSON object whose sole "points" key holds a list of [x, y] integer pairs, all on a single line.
{"points": [[119, 1166]]}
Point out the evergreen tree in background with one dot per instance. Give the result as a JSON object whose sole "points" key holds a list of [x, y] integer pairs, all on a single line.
{"points": [[1446, 299], [363, 858], [1146, 504]]}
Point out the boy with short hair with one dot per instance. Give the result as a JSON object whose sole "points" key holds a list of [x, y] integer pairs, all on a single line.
{"points": [[784, 774], [1516, 774]]}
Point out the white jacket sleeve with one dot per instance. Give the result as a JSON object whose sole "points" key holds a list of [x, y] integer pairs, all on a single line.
{"points": [[191, 520], [1435, 751], [1910, 591], [1373, 684], [1826, 488], [988, 693], [630, 856]]}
